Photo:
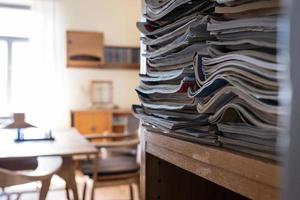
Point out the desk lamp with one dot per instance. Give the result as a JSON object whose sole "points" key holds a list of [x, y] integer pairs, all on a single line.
{"points": [[19, 123]]}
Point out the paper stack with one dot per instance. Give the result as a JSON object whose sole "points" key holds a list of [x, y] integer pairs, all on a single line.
{"points": [[212, 73], [174, 31], [238, 83]]}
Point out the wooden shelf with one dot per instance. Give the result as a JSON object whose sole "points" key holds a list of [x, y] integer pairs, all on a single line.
{"points": [[117, 111], [245, 175], [84, 65], [86, 50], [120, 66], [90, 65]]}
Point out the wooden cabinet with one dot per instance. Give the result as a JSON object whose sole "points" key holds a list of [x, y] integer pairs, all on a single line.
{"points": [[85, 49], [99, 120], [87, 122]]}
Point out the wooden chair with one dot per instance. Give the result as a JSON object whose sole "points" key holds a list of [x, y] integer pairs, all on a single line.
{"points": [[120, 165], [46, 167]]}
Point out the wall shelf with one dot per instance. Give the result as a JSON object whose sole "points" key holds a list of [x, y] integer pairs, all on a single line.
{"points": [[87, 50], [120, 66]]}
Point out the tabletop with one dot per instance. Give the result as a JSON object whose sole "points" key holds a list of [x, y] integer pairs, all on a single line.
{"points": [[67, 143]]}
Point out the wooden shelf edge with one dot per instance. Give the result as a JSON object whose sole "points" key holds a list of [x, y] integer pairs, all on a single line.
{"points": [[85, 66], [114, 111], [120, 46], [105, 66], [239, 184], [261, 172], [120, 66]]}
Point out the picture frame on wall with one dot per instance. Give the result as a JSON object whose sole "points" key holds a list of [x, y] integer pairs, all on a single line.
{"points": [[101, 93]]}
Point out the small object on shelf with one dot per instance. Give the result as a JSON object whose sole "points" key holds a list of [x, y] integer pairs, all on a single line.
{"points": [[19, 124], [122, 57]]}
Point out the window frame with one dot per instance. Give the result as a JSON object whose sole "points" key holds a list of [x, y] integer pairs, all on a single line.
{"points": [[10, 41]]}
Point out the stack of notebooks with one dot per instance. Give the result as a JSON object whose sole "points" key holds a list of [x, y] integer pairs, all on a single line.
{"points": [[212, 73]]}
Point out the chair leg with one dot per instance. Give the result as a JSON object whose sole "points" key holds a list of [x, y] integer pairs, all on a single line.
{"points": [[74, 188], [95, 174], [84, 190], [131, 192], [67, 192], [138, 187], [18, 196], [45, 188]]}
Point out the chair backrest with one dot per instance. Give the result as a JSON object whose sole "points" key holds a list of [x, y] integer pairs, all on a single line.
{"points": [[132, 125], [130, 145], [120, 142], [46, 167]]}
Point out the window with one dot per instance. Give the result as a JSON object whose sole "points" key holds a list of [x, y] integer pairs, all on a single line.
{"points": [[15, 21], [27, 79], [11, 54], [3, 72]]}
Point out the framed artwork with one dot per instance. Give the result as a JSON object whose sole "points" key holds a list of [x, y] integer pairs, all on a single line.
{"points": [[101, 92]]}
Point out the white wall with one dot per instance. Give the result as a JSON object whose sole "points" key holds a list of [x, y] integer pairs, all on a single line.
{"points": [[116, 18]]}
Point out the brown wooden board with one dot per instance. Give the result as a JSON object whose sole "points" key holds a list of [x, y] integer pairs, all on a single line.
{"points": [[85, 49], [87, 122], [248, 176], [166, 181]]}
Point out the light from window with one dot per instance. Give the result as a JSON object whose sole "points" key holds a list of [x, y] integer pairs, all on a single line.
{"points": [[15, 22], [16, 2], [16, 25], [21, 74], [26, 62], [3, 74]]}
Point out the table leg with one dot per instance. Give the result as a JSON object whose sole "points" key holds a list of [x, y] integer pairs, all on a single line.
{"points": [[67, 172], [95, 174]]}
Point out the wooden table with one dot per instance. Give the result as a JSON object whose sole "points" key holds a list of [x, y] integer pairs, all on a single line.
{"points": [[67, 144]]}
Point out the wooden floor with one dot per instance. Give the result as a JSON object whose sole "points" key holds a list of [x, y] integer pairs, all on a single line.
{"points": [[57, 192]]}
